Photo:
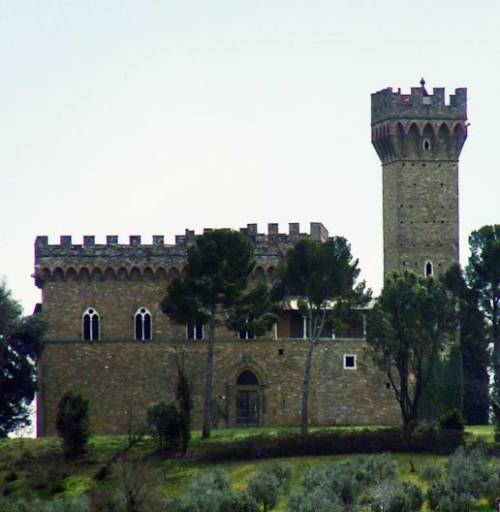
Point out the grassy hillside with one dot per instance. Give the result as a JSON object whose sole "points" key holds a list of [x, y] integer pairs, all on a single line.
{"points": [[36, 466]]}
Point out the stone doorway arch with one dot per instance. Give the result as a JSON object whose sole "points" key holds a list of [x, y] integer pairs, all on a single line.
{"points": [[248, 400]]}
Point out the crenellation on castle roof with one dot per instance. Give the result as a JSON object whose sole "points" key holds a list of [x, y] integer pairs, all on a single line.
{"points": [[156, 258], [419, 104]]}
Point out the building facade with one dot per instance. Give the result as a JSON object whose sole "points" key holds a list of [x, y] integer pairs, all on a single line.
{"points": [[109, 340]]}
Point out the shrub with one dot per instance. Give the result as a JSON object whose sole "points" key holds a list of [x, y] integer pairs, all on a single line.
{"points": [[265, 490], [73, 424], [343, 484], [169, 427], [431, 472], [213, 493], [76, 504], [468, 477], [425, 439], [391, 496], [468, 473], [243, 502], [133, 487], [452, 420], [318, 500]]}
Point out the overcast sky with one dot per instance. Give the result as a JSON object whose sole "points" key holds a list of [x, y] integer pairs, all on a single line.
{"points": [[127, 117]]}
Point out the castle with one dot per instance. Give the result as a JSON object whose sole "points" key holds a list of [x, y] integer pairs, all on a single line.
{"points": [[109, 340]]}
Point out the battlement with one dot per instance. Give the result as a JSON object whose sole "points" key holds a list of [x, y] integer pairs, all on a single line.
{"points": [[113, 247], [419, 104]]}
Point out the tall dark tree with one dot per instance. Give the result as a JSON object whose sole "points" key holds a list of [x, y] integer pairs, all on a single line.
{"points": [[483, 274], [21, 343], [473, 347], [322, 277], [214, 290], [411, 323]]}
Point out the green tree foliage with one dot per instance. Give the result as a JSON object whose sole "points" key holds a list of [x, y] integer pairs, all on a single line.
{"points": [[483, 274], [169, 427], [354, 485], [185, 401], [452, 420], [466, 479], [214, 290], [267, 486], [445, 389], [473, 348], [73, 424], [409, 326], [322, 276], [212, 492], [21, 343]]}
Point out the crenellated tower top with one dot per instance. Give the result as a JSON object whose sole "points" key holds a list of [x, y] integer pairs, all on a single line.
{"points": [[419, 104], [419, 125]]}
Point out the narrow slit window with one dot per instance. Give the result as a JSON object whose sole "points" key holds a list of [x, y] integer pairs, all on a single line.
{"points": [[90, 326], [429, 271], [143, 325]]}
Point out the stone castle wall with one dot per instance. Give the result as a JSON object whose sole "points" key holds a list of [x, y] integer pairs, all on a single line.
{"points": [[122, 379], [122, 376]]}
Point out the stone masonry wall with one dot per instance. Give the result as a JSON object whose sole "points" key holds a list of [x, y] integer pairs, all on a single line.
{"points": [[122, 379], [420, 215]]}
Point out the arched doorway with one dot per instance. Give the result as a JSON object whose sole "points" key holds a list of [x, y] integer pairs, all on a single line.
{"points": [[247, 400]]}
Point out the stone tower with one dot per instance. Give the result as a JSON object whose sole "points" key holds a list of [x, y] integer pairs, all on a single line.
{"points": [[418, 137]]}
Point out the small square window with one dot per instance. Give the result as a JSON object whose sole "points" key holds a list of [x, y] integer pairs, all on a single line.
{"points": [[350, 362]]}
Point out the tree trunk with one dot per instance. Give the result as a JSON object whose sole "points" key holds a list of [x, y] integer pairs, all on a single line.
{"points": [[495, 335], [209, 377], [304, 420]]}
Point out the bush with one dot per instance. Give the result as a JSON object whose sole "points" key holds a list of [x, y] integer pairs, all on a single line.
{"points": [[425, 439], [213, 493], [431, 472], [468, 477], [169, 427], [265, 490], [133, 486], [452, 420], [318, 500], [343, 484], [282, 472], [391, 496], [78, 504], [73, 424]]}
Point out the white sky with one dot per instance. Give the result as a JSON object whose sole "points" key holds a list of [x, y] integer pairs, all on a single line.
{"points": [[126, 117]]}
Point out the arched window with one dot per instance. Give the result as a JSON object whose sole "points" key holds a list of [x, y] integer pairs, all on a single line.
{"points": [[90, 325], [247, 378], [143, 330], [429, 271]]}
